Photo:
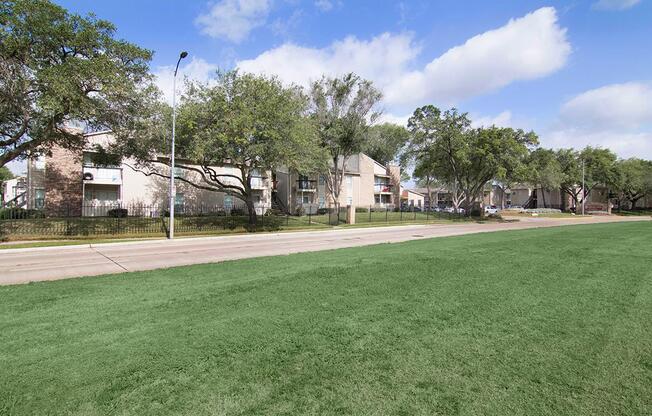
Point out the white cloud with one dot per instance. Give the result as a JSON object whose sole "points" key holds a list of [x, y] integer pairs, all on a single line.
{"points": [[197, 70], [394, 119], [527, 48], [325, 5], [233, 19], [627, 105], [530, 47], [616, 116], [503, 119], [615, 4], [624, 144], [381, 59]]}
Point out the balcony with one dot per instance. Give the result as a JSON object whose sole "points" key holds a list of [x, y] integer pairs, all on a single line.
{"points": [[102, 176], [383, 188], [258, 183], [306, 185]]}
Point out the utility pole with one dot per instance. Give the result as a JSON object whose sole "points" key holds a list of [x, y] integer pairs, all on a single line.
{"points": [[174, 122]]}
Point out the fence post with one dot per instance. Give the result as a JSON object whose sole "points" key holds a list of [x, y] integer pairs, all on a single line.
{"points": [[400, 210], [414, 209], [309, 216], [386, 219]]}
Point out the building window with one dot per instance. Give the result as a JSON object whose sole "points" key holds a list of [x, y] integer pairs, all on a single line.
{"points": [[179, 199], [39, 198], [322, 202], [349, 200], [305, 199], [228, 202], [322, 179]]}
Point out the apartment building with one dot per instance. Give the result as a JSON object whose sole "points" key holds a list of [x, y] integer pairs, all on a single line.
{"points": [[366, 183], [73, 183]]}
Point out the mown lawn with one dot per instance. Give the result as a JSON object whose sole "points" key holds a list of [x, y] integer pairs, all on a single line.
{"points": [[552, 321]]}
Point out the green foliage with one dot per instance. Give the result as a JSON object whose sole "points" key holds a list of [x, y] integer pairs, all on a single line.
{"points": [[633, 180], [385, 142], [543, 170], [57, 67], [342, 110], [19, 213], [5, 174], [444, 147]]}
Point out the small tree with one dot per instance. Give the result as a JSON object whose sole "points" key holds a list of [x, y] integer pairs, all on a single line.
{"points": [[634, 180], [570, 165], [342, 109], [543, 170], [599, 167], [435, 140], [491, 153], [57, 68], [250, 122]]}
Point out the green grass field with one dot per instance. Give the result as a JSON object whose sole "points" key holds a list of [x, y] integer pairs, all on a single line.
{"points": [[553, 321]]}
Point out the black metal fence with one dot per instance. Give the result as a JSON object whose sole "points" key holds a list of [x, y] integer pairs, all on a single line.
{"points": [[133, 220]]}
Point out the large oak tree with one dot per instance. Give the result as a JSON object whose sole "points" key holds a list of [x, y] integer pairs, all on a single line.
{"points": [[251, 123], [58, 68]]}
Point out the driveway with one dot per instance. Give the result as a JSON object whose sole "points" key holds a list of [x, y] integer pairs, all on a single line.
{"points": [[52, 263]]}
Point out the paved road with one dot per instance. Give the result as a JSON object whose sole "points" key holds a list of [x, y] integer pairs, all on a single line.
{"points": [[52, 263]]}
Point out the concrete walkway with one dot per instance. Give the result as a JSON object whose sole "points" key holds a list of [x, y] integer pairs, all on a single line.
{"points": [[52, 263]]}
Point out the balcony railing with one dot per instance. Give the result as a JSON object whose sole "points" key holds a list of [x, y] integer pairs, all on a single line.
{"points": [[102, 176], [258, 183], [383, 188], [306, 185]]}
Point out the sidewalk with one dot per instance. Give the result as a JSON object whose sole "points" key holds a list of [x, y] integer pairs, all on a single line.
{"points": [[52, 263]]}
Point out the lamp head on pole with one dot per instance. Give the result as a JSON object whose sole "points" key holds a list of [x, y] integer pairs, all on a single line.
{"points": [[181, 56]]}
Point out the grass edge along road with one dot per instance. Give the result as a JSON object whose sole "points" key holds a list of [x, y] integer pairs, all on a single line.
{"points": [[543, 321]]}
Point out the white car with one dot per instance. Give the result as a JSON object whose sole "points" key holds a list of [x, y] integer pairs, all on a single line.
{"points": [[491, 209], [452, 210]]}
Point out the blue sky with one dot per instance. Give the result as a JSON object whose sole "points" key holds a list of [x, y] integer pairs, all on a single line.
{"points": [[576, 72]]}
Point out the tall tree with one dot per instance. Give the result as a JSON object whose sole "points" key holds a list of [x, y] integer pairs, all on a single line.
{"points": [[634, 180], [436, 138], [570, 165], [544, 171], [385, 142], [342, 109], [599, 168], [57, 68], [491, 153], [252, 123]]}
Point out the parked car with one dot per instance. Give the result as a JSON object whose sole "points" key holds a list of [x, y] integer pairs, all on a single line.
{"points": [[452, 210], [491, 209]]}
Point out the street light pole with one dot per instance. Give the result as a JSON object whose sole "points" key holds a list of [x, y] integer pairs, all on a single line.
{"points": [[583, 188], [173, 190]]}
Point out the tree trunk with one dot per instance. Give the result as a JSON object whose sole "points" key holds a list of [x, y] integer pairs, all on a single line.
{"points": [[543, 197], [253, 218], [633, 202]]}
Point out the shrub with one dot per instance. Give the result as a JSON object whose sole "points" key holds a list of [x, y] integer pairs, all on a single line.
{"points": [[322, 211], [117, 213], [361, 209], [20, 213], [238, 212]]}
